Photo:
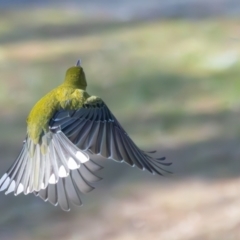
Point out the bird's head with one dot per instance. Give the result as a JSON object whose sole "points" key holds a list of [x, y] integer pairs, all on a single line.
{"points": [[75, 77]]}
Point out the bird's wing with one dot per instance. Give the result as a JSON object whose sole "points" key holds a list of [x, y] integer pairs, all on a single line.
{"points": [[68, 189], [57, 176], [94, 128]]}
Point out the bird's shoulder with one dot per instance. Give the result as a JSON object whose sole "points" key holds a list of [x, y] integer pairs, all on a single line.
{"points": [[92, 100], [74, 98]]}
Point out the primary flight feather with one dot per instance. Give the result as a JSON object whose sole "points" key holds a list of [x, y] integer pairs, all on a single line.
{"points": [[64, 128]]}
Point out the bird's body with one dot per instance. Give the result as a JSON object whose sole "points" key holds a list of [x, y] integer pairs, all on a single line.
{"points": [[68, 96], [64, 129]]}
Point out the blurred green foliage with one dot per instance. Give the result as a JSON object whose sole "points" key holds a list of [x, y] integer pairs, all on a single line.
{"points": [[167, 75]]}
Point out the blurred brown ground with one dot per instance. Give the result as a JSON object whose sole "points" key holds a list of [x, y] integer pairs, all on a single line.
{"points": [[172, 83]]}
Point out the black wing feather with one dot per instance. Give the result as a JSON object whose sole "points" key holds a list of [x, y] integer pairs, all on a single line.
{"points": [[95, 129]]}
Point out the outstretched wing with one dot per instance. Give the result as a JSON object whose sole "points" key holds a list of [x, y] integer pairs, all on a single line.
{"points": [[68, 189], [94, 128], [57, 175]]}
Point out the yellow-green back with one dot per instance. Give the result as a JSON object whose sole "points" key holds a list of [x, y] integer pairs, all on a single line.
{"points": [[69, 95]]}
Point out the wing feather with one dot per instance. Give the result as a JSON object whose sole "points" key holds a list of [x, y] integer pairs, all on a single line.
{"points": [[100, 132], [62, 195], [72, 192], [80, 183], [124, 153], [67, 190], [52, 194], [43, 194], [59, 175], [115, 152]]}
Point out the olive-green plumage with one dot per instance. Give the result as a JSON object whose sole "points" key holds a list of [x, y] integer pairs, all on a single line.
{"points": [[69, 95]]}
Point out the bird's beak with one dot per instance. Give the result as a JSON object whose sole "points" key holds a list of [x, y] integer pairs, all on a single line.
{"points": [[78, 62]]}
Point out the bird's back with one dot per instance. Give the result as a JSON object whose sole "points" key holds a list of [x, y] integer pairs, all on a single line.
{"points": [[62, 97]]}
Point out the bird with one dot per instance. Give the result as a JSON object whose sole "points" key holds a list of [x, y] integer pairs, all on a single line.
{"points": [[65, 128]]}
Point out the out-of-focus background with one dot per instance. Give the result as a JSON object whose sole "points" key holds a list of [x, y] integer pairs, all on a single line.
{"points": [[170, 72]]}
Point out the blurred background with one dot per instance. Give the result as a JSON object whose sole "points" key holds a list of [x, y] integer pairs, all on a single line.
{"points": [[169, 70]]}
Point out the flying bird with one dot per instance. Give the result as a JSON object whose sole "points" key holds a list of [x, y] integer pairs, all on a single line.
{"points": [[64, 129]]}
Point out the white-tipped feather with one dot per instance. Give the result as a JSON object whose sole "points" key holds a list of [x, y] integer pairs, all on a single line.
{"points": [[5, 184], [42, 173], [52, 179], [54, 161], [38, 159], [82, 157], [68, 189], [28, 191], [60, 153], [11, 187], [35, 170], [20, 175], [62, 172], [19, 189], [3, 178], [72, 164], [42, 186], [47, 171]]}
